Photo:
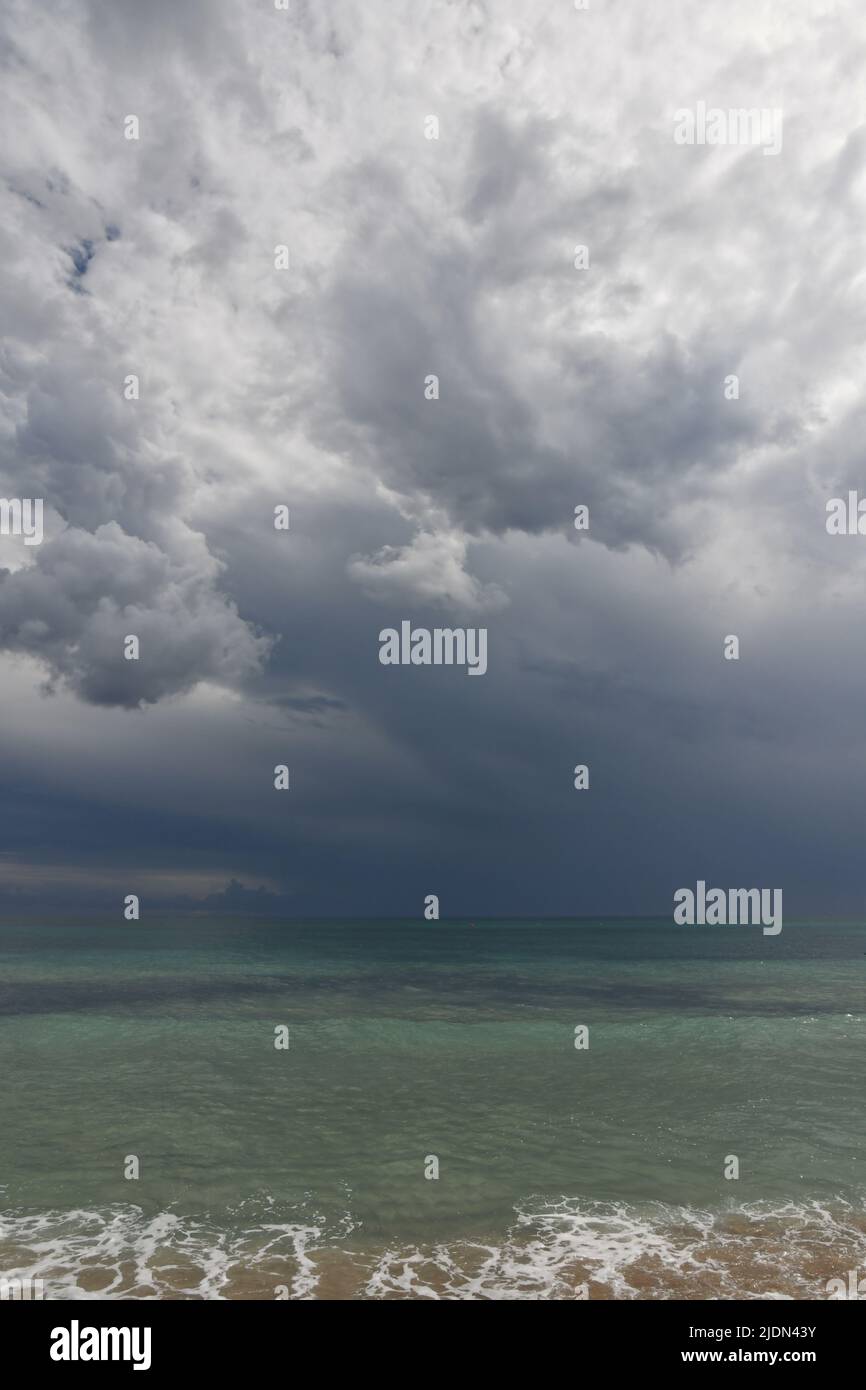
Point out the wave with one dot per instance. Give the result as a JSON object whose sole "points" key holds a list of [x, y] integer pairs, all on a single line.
{"points": [[566, 1249]]}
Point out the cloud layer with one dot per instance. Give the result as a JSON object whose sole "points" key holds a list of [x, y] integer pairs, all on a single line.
{"points": [[603, 385]]}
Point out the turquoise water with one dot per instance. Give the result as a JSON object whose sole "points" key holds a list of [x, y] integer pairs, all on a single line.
{"points": [[559, 1169]]}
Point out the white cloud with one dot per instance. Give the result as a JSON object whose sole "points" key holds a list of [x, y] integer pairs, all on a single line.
{"points": [[431, 568]]}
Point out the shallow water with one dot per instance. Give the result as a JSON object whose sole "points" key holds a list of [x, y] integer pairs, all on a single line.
{"points": [[562, 1172]]}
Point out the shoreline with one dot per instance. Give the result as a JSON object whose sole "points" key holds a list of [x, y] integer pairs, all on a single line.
{"points": [[570, 1250]]}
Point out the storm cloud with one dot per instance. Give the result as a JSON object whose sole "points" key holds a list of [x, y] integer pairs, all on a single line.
{"points": [[559, 384]]}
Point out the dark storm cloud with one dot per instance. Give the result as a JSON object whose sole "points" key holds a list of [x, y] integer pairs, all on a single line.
{"points": [[120, 560], [552, 389], [558, 386], [75, 606]]}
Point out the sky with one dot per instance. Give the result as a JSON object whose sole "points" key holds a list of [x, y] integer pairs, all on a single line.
{"points": [[419, 248]]}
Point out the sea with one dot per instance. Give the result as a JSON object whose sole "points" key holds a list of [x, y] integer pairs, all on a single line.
{"points": [[227, 1108]]}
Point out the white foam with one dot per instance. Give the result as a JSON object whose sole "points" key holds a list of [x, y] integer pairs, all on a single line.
{"points": [[132, 1250], [759, 1250]]}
